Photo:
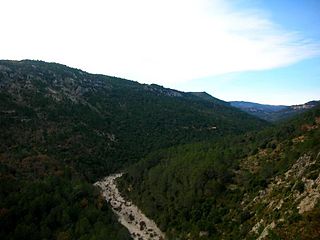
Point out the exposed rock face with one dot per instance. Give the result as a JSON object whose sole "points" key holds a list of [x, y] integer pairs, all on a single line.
{"points": [[129, 215], [308, 203], [310, 196], [289, 194], [265, 231]]}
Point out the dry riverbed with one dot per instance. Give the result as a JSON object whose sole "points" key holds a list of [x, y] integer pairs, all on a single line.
{"points": [[129, 215]]}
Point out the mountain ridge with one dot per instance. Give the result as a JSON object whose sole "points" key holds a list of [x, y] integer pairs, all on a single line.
{"points": [[57, 97], [273, 113]]}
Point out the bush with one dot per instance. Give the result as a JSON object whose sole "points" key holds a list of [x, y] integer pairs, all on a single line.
{"points": [[299, 186], [313, 175]]}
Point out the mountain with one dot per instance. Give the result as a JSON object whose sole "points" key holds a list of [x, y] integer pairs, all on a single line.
{"points": [[199, 167], [261, 185], [273, 113], [255, 107], [208, 97], [62, 128], [99, 123]]}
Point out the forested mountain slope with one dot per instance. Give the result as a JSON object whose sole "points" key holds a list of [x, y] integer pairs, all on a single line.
{"points": [[62, 128], [246, 187], [99, 123]]}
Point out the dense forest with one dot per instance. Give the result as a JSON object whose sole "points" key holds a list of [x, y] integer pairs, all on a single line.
{"points": [[59, 206], [203, 189], [192, 162], [62, 129], [98, 123]]}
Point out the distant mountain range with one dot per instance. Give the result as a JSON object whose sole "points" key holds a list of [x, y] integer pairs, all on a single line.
{"points": [[273, 113]]}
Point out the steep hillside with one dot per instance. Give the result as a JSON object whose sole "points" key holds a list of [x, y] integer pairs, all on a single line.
{"points": [[273, 113], [62, 128], [98, 123], [258, 184]]}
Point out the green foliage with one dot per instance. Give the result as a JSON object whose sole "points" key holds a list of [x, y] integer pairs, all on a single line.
{"points": [[200, 186], [56, 208], [99, 123], [52, 116], [299, 186], [61, 128]]}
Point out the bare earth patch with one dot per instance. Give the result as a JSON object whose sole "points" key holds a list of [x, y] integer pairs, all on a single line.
{"points": [[129, 215]]}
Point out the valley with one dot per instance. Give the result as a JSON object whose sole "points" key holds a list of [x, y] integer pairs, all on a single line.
{"points": [[200, 168]]}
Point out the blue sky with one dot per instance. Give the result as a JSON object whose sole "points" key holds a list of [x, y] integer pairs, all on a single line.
{"points": [[266, 51], [299, 15], [292, 84]]}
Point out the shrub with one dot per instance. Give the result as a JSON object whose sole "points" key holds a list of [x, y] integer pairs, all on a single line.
{"points": [[299, 186]]}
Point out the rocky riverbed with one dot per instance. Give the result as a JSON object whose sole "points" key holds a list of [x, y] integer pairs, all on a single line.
{"points": [[129, 215]]}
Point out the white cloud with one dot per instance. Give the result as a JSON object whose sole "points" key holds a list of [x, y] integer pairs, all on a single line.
{"points": [[149, 41]]}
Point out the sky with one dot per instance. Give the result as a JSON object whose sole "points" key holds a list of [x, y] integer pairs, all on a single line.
{"points": [[265, 51]]}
